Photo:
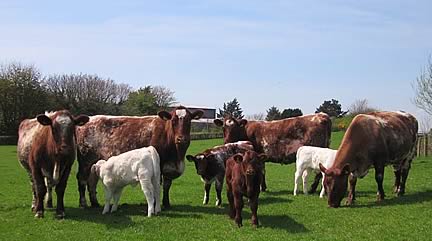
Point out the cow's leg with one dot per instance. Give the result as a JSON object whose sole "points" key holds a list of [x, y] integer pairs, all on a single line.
{"points": [[404, 177], [207, 187], [352, 185], [230, 197], [166, 187], [218, 186], [92, 186], [316, 182], [323, 190], [41, 189], [147, 188], [156, 191], [305, 177], [379, 177], [81, 189], [263, 181], [238, 205], [397, 173], [108, 197], [253, 202], [116, 198], [297, 179], [60, 190], [33, 205], [48, 197]]}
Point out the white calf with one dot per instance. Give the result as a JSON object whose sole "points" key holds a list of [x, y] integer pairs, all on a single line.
{"points": [[308, 159], [140, 165]]}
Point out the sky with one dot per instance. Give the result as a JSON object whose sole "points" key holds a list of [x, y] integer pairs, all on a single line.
{"points": [[288, 54]]}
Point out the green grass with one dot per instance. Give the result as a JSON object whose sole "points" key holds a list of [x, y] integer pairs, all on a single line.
{"points": [[282, 216]]}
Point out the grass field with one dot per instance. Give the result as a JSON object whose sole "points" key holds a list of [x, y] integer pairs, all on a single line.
{"points": [[281, 215]]}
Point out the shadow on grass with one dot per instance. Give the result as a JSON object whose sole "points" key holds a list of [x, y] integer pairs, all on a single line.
{"points": [[276, 193], [410, 198], [282, 222]]}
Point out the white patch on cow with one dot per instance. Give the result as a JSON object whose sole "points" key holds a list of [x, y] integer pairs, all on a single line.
{"points": [[200, 157], [207, 181], [229, 122], [64, 120], [181, 113], [404, 113], [378, 120], [315, 118]]}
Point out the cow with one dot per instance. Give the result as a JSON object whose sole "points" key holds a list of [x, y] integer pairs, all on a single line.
{"points": [[132, 167], [243, 178], [46, 149], [106, 136], [375, 139], [308, 159], [210, 165], [280, 139]]}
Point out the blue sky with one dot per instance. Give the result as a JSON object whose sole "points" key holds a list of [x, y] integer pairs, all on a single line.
{"points": [[282, 53]]}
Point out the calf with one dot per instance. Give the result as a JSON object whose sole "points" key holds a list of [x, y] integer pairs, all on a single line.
{"points": [[210, 165], [308, 159], [375, 139], [139, 165], [46, 149], [243, 178]]}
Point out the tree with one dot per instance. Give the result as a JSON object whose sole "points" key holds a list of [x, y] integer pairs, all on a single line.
{"points": [[164, 97], [257, 116], [273, 114], [287, 113], [86, 94], [22, 95], [232, 109], [141, 102], [423, 89], [360, 107], [331, 107]]}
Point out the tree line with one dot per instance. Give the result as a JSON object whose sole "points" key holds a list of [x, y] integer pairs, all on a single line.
{"points": [[26, 92]]}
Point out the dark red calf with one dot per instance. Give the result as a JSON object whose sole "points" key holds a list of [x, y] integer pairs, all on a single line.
{"points": [[244, 173]]}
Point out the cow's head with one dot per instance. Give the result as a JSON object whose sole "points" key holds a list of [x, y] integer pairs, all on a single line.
{"points": [[252, 167], [201, 161], [179, 121], [335, 182], [96, 167], [62, 125], [233, 129]]}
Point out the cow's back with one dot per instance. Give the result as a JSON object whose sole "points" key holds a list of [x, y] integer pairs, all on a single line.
{"points": [[279, 140]]}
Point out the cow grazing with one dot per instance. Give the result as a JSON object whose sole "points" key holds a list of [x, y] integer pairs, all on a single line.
{"points": [[210, 165], [374, 139], [106, 136], [280, 139], [308, 159], [243, 178], [132, 167], [46, 149]]}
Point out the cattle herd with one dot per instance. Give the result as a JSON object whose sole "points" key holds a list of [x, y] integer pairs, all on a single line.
{"points": [[150, 150]]}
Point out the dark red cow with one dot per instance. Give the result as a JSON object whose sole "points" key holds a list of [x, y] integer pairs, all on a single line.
{"points": [[46, 149], [106, 136], [243, 177], [280, 139], [375, 139], [210, 165]]}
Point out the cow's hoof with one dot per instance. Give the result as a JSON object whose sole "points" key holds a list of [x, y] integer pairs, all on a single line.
{"points": [[39, 214], [95, 205], [60, 215], [49, 204], [166, 206], [400, 193], [239, 225]]}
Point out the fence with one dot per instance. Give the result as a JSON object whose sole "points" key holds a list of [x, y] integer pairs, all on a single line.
{"points": [[424, 147]]}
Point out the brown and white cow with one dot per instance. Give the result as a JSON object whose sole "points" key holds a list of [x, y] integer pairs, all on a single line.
{"points": [[46, 149], [280, 139], [243, 178], [375, 139], [210, 165], [106, 136]]}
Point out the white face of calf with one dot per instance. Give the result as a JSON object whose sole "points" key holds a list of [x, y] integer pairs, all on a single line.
{"points": [[97, 166]]}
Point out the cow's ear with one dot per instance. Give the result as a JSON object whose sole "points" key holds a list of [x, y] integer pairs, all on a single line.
{"points": [[164, 115], [81, 120], [197, 114], [44, 120], [262, 157], [243, 122], [346, 170], [238, 158], [323, 169], [190, 158], [218, 122]]}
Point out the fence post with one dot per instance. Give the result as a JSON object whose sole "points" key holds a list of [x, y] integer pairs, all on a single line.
{"points": [[426, 145]]}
